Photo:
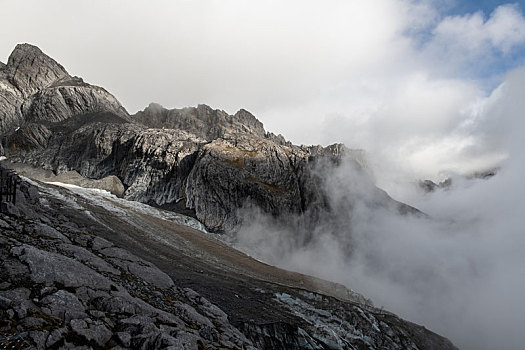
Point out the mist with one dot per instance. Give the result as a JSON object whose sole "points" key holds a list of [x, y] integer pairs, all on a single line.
{"points": [[458, 271]]}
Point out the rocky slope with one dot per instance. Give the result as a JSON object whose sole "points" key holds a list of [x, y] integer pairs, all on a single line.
{"points": [[88, 270], [196, 160]]}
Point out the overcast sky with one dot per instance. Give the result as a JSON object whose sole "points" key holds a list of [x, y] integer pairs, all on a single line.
{"points": [[403, 79]]}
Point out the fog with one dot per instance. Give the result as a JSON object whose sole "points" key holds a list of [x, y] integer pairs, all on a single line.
{"points": [[459, 272]]}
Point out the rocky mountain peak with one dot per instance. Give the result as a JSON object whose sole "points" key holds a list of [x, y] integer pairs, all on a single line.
{"points": [[30, 70], [249, 121], [34, 88], [202, 121]]}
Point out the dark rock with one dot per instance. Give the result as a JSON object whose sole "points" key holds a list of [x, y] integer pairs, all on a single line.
{"points": [[15, 268], [33, 323], [4, 225], [82, 240], [56, 336], [30, 70], [5, 303], [47, 231], [39, 337], [63, 305], [145, 271], [16, 295], [91, 330], [123, 303], [10, 209], [124, 338], [50, 268], [86, 257], [100, 243]]}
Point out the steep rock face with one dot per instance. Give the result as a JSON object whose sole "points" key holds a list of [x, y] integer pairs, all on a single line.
{"points": [[10, 104], [246, 170], [69, 98], [29, 70], [35, 88]]}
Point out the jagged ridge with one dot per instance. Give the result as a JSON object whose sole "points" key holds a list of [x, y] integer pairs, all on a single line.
{"points": [[192, 159]]}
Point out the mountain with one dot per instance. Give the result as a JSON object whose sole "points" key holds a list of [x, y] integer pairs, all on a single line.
{"points": [[201, 162], [198, 160]]}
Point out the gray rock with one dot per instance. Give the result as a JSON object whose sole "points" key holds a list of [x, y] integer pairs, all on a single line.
{"points": [[91, 330], [63, 305], [10, 209], [82, 240], [4, 224], [30, 70], [10, 314], [16, 295], [138, 324], [97, 313], [120, 302], [69, 98], [5, 303], [47, 231], [55, 336], [15, 269], [50, 268], [33, 323], [100, 243], [23, 307], [124, 338], [120, 254], [86, 257], [146, 271], [189, 315], [39, 337], [86, 295], [185, 340]]}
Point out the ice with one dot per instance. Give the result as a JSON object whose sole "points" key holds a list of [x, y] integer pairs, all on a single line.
{"points": [[110, 202]]}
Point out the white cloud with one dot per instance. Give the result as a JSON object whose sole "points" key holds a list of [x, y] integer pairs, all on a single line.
{"points": [[473, 35]]}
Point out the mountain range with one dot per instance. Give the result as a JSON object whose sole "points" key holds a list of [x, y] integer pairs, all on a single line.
{"points": [[155, 274]]}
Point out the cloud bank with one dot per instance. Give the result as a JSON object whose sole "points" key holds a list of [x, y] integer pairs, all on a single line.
{"points": [[458, 272]]}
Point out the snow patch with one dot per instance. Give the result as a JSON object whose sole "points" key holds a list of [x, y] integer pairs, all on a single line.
{"points": [[110, 202]]}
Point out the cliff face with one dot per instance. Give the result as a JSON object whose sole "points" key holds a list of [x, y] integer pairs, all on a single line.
{"points": [[196, 160]]}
